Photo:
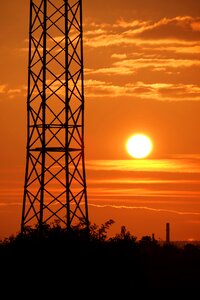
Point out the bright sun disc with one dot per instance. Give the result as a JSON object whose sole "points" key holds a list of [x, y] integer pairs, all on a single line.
{"points": [[139, 146]]}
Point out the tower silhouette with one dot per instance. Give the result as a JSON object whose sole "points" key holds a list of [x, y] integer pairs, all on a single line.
{"points": [[55, 179]]}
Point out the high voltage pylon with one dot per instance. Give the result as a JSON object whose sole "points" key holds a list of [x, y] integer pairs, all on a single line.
{"points": [[55, 180]]}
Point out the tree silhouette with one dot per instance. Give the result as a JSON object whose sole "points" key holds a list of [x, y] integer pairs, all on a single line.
{"points": [[73, 259]]}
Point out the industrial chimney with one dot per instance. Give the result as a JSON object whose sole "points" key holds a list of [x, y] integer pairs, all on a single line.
{"points": [[167, 233]]}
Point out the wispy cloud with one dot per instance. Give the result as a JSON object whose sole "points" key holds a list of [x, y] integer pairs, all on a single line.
{"points": [[119, 55], [12, 92], [163, 184], [3, 88], [158, 210], [154, 62], [156, 91], [163, 52], [180, 26], [183, 28], [163, 165]]}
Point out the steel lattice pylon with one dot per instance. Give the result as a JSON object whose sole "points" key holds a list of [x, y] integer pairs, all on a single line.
{"points": [[55, 183]]}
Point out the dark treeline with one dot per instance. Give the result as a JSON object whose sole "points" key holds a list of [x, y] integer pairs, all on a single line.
{"points": [[56, 259]]}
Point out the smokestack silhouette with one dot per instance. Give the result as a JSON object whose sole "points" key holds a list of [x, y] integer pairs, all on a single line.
{"points": [[167, 233]]}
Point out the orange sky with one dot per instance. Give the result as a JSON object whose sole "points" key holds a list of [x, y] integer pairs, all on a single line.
{"points": [[142, 66]]}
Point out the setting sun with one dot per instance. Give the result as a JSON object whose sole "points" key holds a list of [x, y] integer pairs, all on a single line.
{"points": [[139, 146]]}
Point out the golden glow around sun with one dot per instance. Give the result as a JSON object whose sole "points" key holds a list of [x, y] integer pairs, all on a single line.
{"points": [[139, 146]]}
